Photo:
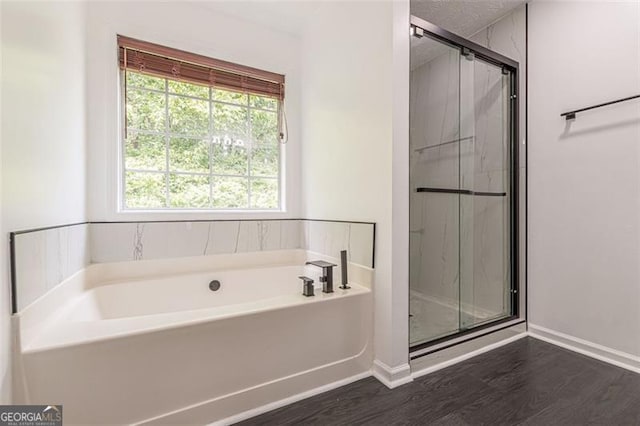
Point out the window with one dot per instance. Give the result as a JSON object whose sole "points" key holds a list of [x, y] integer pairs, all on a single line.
{"points": [[198, 136]]}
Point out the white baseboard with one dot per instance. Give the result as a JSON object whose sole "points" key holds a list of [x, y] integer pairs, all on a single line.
{"points": [[286, 401], [391, 377], [585, 347], [466, 356]]}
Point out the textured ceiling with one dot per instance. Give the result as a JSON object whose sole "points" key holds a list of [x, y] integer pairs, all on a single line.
{"points": [[462, 17]]}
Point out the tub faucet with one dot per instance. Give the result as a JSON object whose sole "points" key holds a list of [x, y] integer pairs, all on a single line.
{"points": [[327, 274], [307, 286]]}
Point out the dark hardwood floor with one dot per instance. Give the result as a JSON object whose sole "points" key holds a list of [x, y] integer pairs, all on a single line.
{"points": [[527, 382]]}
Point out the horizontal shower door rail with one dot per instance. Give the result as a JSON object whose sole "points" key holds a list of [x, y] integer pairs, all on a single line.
{"points": [[449, 38], [462, 191], [468, 138]]}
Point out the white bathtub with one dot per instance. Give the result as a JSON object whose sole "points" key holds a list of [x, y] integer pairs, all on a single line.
{"points": [[114, 345]]}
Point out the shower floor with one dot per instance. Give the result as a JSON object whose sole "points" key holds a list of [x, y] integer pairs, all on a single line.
{"points": [[431, 318]]}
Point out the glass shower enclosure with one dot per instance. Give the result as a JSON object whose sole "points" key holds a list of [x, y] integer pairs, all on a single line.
{"points": [[463, 183]]}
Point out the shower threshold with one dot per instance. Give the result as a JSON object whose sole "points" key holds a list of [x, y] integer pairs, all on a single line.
{"points": [[453, 338]]}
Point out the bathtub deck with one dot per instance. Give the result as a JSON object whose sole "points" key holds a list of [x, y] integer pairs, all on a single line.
{"points": [[527, 381]]}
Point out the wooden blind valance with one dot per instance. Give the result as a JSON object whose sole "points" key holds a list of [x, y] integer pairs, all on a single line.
{"points": [[166, 62]]}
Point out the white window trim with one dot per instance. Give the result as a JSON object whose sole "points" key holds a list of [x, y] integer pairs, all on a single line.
{"points": [[168, 213]]}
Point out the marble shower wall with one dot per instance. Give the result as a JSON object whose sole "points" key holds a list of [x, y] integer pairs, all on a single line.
{"points": [[508, 37], [45, 258], [434, 223], [459, 244]]}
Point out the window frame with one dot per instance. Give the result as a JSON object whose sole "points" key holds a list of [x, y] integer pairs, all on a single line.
{"points": [[167, 135]]}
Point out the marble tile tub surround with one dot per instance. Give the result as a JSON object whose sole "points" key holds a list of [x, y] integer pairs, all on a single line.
{"points": [[114, 242], [329, 238], [44, 258]]}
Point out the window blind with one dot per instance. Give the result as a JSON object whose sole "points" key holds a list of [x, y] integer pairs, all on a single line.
{"points": [[166, 62]]}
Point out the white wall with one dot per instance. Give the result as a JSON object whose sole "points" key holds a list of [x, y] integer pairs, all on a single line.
{"points": [[399, 306], [584, 189], [43, 132], [347, 105], [43, 129], [195, 28]]}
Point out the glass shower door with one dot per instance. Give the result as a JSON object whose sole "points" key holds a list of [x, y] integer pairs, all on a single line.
{"points": [[434, 215], [460, 208], [485, 275]]}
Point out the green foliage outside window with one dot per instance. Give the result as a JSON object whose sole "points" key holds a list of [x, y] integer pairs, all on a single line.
{"points": [[194, 147]]}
